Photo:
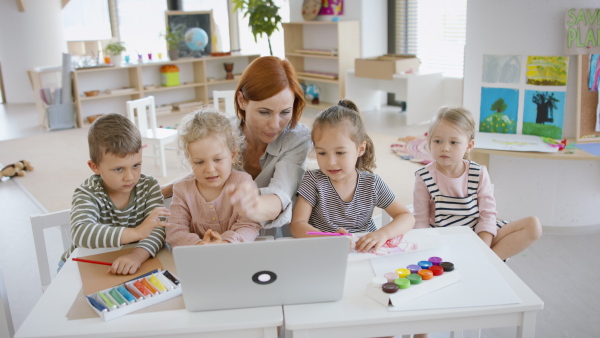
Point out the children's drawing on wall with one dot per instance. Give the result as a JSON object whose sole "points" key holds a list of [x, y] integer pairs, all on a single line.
{"points": [[499, 110], [547, 70], [332, 7], [543, 113], [502, 68]]}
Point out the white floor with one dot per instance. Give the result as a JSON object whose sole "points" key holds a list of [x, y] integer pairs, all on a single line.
{"points": [[561, 269]]}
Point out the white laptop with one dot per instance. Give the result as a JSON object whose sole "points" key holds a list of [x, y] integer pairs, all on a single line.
{"points": [[265, 273]]}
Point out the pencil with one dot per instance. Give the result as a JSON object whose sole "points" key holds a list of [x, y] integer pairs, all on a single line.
{"points": [[90, 261], [326, 233]]}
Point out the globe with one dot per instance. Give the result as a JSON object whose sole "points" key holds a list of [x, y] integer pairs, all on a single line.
{"points": [[196, 39]]}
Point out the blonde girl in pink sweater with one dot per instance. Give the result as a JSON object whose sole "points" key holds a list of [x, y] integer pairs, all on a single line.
{"points": [[453, 191], [200, 211]]}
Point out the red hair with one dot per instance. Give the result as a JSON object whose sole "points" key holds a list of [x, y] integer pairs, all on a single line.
{"points": [[265, 77]]}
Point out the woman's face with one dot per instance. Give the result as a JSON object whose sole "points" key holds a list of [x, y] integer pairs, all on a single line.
{"points": [[266, 119]]}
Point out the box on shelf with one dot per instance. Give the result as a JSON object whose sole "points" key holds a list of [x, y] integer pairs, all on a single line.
{"points": [[385, 66], [169, 75], [61, 116]]}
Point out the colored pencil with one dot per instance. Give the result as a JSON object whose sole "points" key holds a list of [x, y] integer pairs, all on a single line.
{"points": [[326, 233], [90, 261]]}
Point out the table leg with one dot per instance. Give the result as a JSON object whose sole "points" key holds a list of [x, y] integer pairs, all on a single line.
{"points": [[527, 328]]}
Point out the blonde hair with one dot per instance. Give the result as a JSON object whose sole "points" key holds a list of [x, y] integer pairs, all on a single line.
{"points": [[460, 117], [347, 112], [206, 122], [113, 134]]}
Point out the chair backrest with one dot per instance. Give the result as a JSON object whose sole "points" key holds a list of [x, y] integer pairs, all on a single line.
{"points": [[39, 223], [229, 97], [7, 329], [146, 112]]}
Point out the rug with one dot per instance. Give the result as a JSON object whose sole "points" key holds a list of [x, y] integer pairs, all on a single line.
{"points": [[413, 149]]}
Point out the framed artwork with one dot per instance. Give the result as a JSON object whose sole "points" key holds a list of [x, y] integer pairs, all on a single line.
{"points": [[523, 95], [198, 30]]}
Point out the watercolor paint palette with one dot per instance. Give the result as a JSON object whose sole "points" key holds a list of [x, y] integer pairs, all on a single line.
{"points": [[412, 282], [144, 291]]}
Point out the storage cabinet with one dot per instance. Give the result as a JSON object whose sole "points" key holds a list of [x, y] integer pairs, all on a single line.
{"points": [[198, 78], [317, 49]]}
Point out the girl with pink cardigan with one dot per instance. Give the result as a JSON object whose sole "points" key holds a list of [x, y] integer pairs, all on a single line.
{"points": [[200, 211]]}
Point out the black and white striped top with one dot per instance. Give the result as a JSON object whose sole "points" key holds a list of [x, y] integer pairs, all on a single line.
{"points": [[331, 212], [97, 223]]}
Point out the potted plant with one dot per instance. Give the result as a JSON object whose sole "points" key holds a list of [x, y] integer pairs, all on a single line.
{"points": [[114, 50], [262, 17], [174, 36]]}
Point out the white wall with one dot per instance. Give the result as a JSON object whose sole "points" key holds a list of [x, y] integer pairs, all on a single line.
{"points": [[372, 15], [29, 39], [516, 27]]}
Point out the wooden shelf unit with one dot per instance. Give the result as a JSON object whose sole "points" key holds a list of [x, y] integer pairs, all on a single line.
{"points": [[194, 75], [343, 36]]}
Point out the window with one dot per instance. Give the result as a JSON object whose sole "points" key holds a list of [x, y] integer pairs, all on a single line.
{"points": [[141, 25], [86, 20], [247, 44], [435, 31]]}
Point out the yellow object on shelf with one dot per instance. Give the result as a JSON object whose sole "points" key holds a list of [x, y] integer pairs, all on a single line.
{"points": [[169, 75]]}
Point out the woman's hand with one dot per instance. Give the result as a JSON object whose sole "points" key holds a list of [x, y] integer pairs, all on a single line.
{"points": [[245, 199]]}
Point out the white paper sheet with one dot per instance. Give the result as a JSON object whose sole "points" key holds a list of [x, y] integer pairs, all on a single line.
{"points": [[480, 284], [512, 142]]}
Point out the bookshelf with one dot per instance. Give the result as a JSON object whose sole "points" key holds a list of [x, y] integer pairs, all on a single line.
{"points": [[198, 77], [321, 52]]}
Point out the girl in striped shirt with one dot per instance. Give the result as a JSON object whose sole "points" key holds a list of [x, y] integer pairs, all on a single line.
{"points": [[340, 196], [453, 191]]}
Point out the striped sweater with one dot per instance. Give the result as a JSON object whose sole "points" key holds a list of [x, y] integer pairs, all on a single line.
{"points": [[97, 223]]}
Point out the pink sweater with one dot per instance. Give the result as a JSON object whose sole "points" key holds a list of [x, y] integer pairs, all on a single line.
{"points": [[191, 215], [457, 187]]}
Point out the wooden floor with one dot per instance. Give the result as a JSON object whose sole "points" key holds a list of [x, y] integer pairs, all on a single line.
{"points": [[561, 269]]}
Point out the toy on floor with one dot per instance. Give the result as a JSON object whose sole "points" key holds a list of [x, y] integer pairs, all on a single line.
{"points": [[413, 149], [16, 169]]}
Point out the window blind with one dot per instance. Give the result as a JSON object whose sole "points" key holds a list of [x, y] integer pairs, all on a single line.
{"points": [[86, 20], [435, 31]]}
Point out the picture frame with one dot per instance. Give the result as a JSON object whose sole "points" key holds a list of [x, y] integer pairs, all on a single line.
{"points": [[192, 19]]}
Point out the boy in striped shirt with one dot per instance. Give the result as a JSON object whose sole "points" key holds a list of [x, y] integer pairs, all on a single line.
{"points": [[118, 204]]}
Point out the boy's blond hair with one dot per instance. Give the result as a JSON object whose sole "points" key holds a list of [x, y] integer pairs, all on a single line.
{"points": [[205, 122], [113, 134]]}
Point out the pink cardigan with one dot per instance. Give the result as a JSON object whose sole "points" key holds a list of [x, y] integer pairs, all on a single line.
{"points": [[191, 215]]}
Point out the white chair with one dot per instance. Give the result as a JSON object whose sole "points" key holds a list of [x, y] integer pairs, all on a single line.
{"points": [[6, 324], [157, 137], [229, 97], [39, 223]]}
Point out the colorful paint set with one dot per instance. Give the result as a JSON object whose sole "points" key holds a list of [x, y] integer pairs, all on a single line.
{"points": [[414, 281], [141, 292]]}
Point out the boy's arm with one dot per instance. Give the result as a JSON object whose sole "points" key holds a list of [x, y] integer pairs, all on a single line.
{"points": [[156, 239], [86, 229]]}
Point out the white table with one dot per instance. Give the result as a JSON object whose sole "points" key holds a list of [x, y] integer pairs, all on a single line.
{"points": [[422, 93], [356, 315], [48, 317]]}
